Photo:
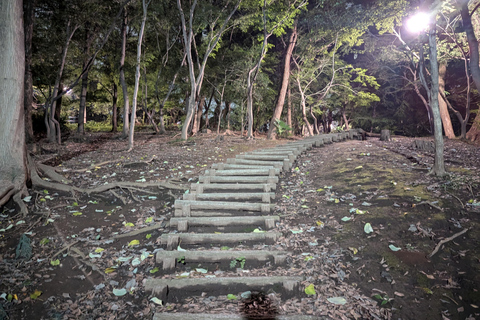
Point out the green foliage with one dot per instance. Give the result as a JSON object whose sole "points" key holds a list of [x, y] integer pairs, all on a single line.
{"points": [[283, 129], [238, 261]]}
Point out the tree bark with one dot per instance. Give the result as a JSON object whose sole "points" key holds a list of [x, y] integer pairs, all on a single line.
{"points": [[137, 77], [29, 20], [283, 89], [114, 107], [446, 121], [289, 107], [82, 110], [13, 168], [439, 165], [123, 83], [474, 133]]}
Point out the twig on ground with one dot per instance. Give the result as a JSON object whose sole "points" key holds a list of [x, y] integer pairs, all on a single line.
{"points": [[430, 204], [442, 242], [139, 231], [66, 247], [463, 206], [93, 166]]}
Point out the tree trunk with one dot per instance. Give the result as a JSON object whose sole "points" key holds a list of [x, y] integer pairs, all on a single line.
{"points": [[289, 107], [114, 107], [439, 165], [304, 107], [13, 168], [123, 83], [198, 116], [28, 22], [137, 77], [283, 89], [345, 120], [474, 133], [446, 121], [82, 110]]}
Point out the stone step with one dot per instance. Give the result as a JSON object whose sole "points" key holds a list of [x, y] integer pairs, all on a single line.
{"points": [[183, 223], [244, 172], [285, 164], [169, 258], [162, 288], [263, 196], [183, 208], [229, 166], [276, 151], [201, 187], [288, 157], [173, 240], [214, 316], [237, 179]]}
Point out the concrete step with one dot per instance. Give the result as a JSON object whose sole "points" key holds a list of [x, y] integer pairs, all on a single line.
{"points": [[208, 316], [276, 151], [183, 223], [169, 258], [201, 187], [243, 172], [172, 240], [163, 288], [285, 164], [238, 179], [229, 166], [183, 208], [288, 157], [262, 196]]}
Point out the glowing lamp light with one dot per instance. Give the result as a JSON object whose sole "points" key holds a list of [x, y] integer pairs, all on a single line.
{"points": [[418, 23]]}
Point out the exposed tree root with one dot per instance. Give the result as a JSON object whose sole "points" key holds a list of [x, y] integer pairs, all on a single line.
{"points": [[91, 167], [7, 190]]}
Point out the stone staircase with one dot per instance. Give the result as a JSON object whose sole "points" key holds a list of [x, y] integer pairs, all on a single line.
{"points": [[230, 201]]}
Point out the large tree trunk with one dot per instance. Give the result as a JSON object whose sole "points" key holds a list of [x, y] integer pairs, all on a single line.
{"points": [[29, 19], [289, 107], [283, 89], [198, 116], [123, 83], [13, 169], [447, 122], [474, 133]]}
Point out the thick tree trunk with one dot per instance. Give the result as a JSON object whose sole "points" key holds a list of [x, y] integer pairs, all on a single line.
{"points": [[29, 19], [283, 89], [13, 169], [446, 121], [123, 83], [474, 133], [114, 107], [198, 116]]}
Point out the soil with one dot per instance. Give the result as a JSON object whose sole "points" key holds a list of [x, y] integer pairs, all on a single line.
{"points": [[83, 246]]}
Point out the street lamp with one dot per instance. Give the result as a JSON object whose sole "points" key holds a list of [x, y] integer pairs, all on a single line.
{"points": [[417, 23]]}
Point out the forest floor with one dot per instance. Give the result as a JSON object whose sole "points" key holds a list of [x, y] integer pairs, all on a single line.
{"points": [[362, 218]]}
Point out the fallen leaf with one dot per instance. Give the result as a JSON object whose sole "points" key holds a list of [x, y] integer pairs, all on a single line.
{"points": [[119, 292], [310, 289], [337, 300], [133, 243], [368, 228], [393, 248], [157, 301]]}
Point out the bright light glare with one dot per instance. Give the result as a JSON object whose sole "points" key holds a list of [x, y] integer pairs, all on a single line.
{"points": [[418, 23]]}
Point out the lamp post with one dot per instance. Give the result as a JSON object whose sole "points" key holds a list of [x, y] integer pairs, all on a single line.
{"points": [[417, 24]]}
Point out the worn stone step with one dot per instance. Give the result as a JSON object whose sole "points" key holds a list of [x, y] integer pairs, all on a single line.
{"points": [[285, 164], [244, 172], [237, 179], [202, 187], [183, 208], [172, 240], [288, 157], [263, 196], [168, 259], [229, 166], [161, 288], [276, 151], [208, 316], [183, 223]]}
